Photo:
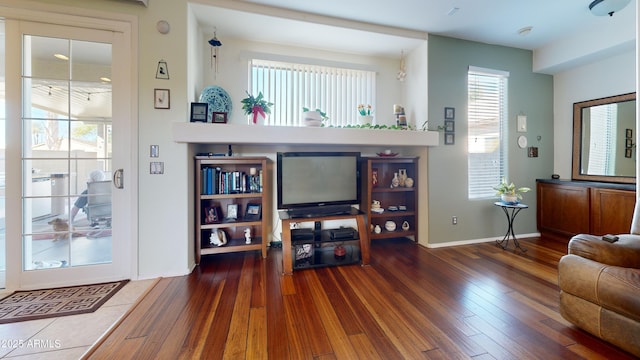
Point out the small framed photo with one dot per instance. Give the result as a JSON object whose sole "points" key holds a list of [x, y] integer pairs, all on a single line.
{"points": [[253, 212], [449, 126], [449, 113], [219, 117], [628, 152], [629, 143], [161, 99], [232, 212], [629, 133], [211, 215], [199, 112], [449, 138]]}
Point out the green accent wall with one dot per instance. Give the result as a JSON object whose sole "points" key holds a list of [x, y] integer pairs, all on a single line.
{"points": [[530, 94]]}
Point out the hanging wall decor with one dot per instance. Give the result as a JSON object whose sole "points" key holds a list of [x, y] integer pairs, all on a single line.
{"points": [[215, 44], [162, 72]]}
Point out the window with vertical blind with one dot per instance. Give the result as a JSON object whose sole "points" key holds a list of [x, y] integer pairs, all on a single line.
{"points": [[290, 87], [487, 122]]}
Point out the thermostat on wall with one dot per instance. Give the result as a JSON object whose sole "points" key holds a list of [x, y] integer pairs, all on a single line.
{"points": [[522, 141]]}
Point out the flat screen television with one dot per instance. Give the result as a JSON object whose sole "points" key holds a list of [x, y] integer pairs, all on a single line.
{"points": [[314, 182]]}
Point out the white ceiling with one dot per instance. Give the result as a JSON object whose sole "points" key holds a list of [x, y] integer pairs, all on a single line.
{"points": [[303, 23]]}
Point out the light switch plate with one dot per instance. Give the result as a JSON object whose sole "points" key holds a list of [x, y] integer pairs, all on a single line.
{"points": [[154, 151], [522, 123]]}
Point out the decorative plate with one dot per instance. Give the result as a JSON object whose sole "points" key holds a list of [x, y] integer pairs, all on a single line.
{"points": [[218, 100], [381, 154]]}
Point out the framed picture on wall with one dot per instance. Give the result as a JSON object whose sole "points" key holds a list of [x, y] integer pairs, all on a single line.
{"points": [[449, 138], [161, 99], [449, 126], [449, 113]]}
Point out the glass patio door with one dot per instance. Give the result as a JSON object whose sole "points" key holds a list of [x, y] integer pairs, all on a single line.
{"points": [[71, 187]]}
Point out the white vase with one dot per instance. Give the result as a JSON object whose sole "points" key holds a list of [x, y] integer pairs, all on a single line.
{"points": [[312, 118], [365, 119]]}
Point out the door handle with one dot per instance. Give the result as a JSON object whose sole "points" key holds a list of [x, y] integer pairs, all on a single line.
{"points": [[118, 179]]}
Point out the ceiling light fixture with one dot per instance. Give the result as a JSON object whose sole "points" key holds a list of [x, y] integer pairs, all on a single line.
{"points": [[525, 30], [607, 7], [453, 11], [61, 57]]}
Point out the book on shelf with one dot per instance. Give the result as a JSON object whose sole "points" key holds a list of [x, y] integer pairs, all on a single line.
{"points": [[216, 180]]}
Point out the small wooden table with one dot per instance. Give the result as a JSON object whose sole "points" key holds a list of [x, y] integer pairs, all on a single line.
{"points": [[515, 209], [363, 234]]}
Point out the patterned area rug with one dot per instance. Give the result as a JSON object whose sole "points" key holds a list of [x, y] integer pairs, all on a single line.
{"points": [[40, 304]]}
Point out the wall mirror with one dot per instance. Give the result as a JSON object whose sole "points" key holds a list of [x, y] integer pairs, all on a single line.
{"points": [[604, 139]]}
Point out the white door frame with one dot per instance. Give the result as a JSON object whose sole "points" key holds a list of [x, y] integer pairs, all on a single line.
{"points": [[125, 111]]}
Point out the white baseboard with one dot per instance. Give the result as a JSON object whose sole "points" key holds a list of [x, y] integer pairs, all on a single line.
{"points": [[478, 241]]}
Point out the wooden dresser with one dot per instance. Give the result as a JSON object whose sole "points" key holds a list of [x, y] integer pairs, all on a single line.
{"points": [[566, 208]]}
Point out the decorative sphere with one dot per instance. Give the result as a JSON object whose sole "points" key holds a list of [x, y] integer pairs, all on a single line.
{"points": [[408, 182]]}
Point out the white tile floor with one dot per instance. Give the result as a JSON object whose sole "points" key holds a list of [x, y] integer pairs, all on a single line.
{"points": [[67, 337]]}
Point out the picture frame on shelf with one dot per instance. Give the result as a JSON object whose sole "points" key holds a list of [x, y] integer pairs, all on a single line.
{"points": [[161, 99], [219, 117], [199, 112], [449, 113], [253, 212], [212, 215], [232, 212]]}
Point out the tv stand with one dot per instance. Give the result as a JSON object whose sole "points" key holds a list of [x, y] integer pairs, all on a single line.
{"points": [[287, 262]]}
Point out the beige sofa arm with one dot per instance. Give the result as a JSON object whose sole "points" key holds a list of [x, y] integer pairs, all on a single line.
{"points": [[624, 253]]}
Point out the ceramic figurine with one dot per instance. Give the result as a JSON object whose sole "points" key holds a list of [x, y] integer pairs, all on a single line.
{"points": [[390, 225], [408, 182], [247, 236], [405, 226], [377, 229], [395, 182], [218, 238], [402, 177]]}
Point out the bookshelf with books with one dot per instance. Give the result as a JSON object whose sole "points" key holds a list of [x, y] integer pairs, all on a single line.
{"points": [[233, 206]]}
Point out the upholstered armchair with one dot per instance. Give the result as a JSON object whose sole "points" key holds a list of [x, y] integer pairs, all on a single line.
{"points": [[600, 286]]}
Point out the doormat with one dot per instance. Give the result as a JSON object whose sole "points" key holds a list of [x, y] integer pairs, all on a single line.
{"points": [[48, 303]]}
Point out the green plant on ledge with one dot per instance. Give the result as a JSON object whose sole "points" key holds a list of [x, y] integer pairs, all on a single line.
{"points": [[256, 105]]}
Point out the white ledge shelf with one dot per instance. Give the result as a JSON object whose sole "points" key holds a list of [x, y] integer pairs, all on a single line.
{"points": [[203, 133]]}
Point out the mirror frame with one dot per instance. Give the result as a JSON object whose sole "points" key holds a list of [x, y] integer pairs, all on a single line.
{"points": [[577, 139]]}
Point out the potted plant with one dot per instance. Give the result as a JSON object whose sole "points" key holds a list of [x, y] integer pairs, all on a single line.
{"points": [[508, 192], [314, 117], [366, 114], [256, 106]]}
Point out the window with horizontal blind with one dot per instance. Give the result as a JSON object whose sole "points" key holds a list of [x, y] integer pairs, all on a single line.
{"points": [[290, 87], [487, 114]]}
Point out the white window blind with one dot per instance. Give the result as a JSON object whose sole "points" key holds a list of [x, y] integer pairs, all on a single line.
{"points": [[290, 87], [487, 114]]}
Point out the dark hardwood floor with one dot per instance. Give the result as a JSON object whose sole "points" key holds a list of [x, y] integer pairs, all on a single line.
{"points": [[472, 301]]}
